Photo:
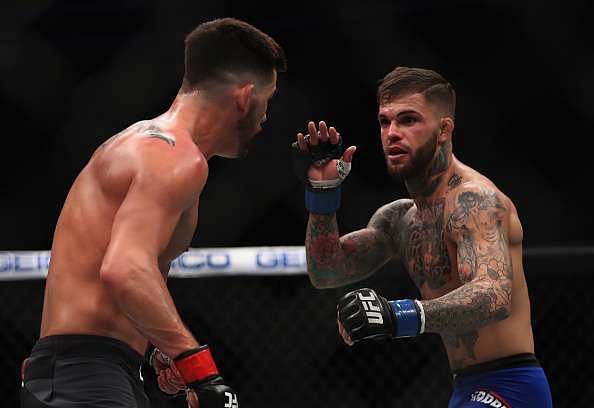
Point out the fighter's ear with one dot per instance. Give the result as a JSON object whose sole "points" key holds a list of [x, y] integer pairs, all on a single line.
{"points": [[243, 96], [446, 128]]}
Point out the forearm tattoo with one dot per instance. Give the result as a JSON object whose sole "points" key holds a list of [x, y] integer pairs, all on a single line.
{"points": [[334, 261], [484, 267], [322, 246]]}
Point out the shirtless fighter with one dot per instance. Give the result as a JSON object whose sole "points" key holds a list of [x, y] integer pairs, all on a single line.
{"points": [[129, 213], [458, 236]]}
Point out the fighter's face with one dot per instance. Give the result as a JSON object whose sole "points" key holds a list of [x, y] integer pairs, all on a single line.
{"points": [[251, 124], [409, 130]]}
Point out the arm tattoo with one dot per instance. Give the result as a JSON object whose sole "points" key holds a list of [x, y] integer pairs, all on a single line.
{"points": [[466, 258], [485, 269], [322, 244], [333, 261]]}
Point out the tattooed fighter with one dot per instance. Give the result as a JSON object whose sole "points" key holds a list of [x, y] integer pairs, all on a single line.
{"points": [[458, 236], [129, 213]]}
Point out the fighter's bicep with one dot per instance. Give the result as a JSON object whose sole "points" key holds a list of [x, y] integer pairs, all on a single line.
{"points": [[388, 227], [146, 219], [370, 248], [144, 222], [477, 226], [367, 249]]}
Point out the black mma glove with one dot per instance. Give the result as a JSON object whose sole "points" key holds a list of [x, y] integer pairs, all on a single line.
{"points": [[321, 196], [316, 154], [366, 315], [199, 372]]}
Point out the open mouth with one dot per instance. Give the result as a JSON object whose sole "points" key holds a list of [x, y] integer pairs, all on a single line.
{"points": [[395, 153]]}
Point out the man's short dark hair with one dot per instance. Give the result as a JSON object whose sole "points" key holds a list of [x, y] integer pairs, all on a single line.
{"points": [[226, 46], [405, 81]]}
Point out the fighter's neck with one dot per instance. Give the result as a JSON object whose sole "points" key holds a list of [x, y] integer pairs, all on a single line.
{"points": [[430, 186], [203, 121]]}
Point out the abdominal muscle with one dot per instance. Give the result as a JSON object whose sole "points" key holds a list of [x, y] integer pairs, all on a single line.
{"points": [[507, 337]]}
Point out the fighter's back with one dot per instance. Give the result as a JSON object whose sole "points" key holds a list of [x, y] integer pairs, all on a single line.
{"points": [[76, 299]]}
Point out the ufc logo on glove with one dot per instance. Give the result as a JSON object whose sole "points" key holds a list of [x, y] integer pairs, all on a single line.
{"points": [[366, 315], [371, 311], [231, 400]]}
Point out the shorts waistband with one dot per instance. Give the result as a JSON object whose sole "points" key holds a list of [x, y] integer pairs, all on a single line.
{"points": [[86, 345], [513, 361]]}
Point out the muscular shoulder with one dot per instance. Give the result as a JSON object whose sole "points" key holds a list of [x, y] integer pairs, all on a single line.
{"points": [[160, 165], [166, 169], [389, 216], [180, 169], [474, 205]]}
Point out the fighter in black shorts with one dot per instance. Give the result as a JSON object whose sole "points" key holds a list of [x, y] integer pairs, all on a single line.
{"points": [[130, 212]]}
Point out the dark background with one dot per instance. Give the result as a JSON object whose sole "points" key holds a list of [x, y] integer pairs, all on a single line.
{"points": [[73, 73]]}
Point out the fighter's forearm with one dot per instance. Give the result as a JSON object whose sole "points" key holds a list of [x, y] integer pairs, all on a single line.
{"points": [[325, 257], [142, 295], [334, 261], [469, 308]]}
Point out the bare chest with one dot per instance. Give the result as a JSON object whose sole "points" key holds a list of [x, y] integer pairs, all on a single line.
{"points": [[426, 255]]}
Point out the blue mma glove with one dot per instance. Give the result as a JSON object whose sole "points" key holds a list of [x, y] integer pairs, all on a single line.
{"points": [[366, 315]]}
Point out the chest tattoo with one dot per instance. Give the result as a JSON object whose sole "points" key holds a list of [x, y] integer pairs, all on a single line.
{"points": [[427, 258]]}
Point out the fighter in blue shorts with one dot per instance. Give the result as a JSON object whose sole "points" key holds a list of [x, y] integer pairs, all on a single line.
{"points": [[458, 236]]}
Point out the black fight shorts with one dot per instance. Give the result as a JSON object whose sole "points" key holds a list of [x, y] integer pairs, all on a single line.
{"points": [[72, 371]]}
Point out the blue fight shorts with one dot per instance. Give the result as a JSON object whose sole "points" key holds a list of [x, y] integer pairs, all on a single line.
{"points": [[517, 381]]}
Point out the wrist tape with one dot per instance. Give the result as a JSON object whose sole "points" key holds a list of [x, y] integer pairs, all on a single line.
{"points": [[343, 168], [410, 317], [323, 202], [196, 365]]}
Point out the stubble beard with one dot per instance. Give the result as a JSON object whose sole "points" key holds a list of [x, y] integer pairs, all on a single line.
{"points": [[247, 128], [418, 164]]}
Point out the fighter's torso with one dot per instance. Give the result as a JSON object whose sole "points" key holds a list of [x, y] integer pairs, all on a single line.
{"points": [[429, 256], [76, 301], [425, 253]]}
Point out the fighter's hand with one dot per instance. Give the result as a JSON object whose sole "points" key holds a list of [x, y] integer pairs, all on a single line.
{"points": [[170, 381], [363, 314], [323, 169], [200, 374], [168, 378], [192, 399]]}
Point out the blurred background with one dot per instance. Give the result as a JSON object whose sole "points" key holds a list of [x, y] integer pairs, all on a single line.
{"points": [[73, 73]]}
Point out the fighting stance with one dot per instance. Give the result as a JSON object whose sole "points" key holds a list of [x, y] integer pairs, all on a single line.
{"points": [[458, 236], [129, 213]]}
